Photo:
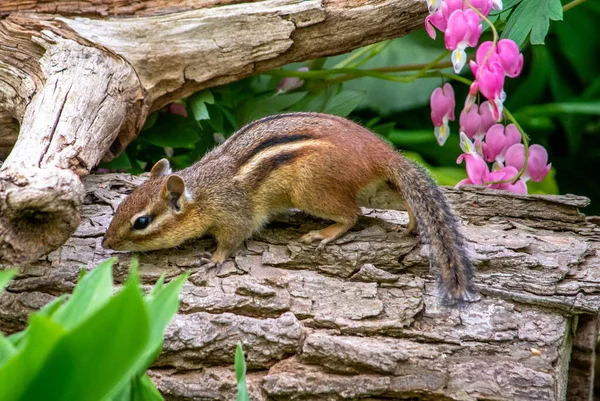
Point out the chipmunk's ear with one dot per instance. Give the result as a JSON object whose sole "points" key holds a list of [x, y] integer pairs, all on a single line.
{"points": [[174, 191], [160, 169]]}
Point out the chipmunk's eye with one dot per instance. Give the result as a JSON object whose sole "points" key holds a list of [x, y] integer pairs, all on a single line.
{"points": [[141, 222]]}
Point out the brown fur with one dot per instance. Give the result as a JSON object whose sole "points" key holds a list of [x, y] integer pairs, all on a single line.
{"points": [[324, 165]]}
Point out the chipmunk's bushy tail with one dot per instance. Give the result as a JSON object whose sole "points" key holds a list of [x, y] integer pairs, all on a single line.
{"points": [[438, 227]]}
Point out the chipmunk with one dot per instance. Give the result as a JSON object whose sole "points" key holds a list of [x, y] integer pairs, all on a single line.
{"points": [[324, 165]]}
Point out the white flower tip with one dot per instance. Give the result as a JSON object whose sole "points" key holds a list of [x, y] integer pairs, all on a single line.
{"points": [[497, 4], [465, 143], [441, 133], [459, 59]]}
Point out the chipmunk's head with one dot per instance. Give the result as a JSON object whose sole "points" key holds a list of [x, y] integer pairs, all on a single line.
{"points": [[151, 216]]}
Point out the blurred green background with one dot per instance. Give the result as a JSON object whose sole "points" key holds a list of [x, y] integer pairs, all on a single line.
{"points": [[556, 99]]}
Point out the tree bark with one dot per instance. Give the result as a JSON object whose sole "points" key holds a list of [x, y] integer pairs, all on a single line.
{"points": [[362, 319], [79, 85]]}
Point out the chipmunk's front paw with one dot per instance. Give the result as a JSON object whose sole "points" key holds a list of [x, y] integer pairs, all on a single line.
{"points": [[206, 260]]}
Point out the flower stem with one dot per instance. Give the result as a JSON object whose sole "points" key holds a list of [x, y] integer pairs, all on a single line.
{"points": [[572, 4], [483, 17]]}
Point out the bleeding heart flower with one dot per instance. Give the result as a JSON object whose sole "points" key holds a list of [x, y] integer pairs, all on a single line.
{"points": [[477, 169], [484, 6], [490, 78], [442, 110], [497, 141], [463, 30], [509, 172], [509, 57], [470, 122], [289, 83], [487, 119], [537, 169]]}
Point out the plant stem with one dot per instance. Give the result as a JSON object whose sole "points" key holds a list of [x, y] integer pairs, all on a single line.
{"points": [[572, 4], [483, 17]]}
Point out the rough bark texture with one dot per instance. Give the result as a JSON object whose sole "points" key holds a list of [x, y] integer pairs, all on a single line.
{"points": [[80, 84], [362, 319]]}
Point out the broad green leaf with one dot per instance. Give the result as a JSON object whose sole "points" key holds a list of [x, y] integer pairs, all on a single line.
{"points": [[506, 4], [173, 131], [162, 304], [267, 105], [90, 294], [344, 102], [150, 121], [122, 162], [5, 277], [94, 359], [198, 102], [532, 17], [589, 108], [20, 369], [240, 374], [313, 102], [51, 307], [7, 349], [144, 390]]}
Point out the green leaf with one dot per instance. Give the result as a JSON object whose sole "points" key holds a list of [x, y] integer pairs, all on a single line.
{"points": [[21, 368], [161, 304], [589, 108], [532, 17], [198, 102], [267, 105], [150, 121], [5, 277], [90, 294], [344, 102], [95, 358], [240, 374], [173, 131], [7, 349], [145, 390], [122, 162]]}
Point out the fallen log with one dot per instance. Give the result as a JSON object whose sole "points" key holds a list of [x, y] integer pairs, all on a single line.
{"points": [[363, 319]]}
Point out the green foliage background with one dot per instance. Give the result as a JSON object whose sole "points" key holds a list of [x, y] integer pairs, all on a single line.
{"points": [[556, 100]]}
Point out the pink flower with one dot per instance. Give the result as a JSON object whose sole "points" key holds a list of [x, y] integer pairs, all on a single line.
{"points": [[497, 141], [509, 172], [506, 53], [290, 83], [477, 169], [537, 169], [470, 122], [439, 19], [484, 6], [442, 111], [490, 79], [487, 119], [509, 57], [463, 30]]}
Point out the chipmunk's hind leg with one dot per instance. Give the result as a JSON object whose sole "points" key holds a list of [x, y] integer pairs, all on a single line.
{"points": [[343, 213], [329, 233]]}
